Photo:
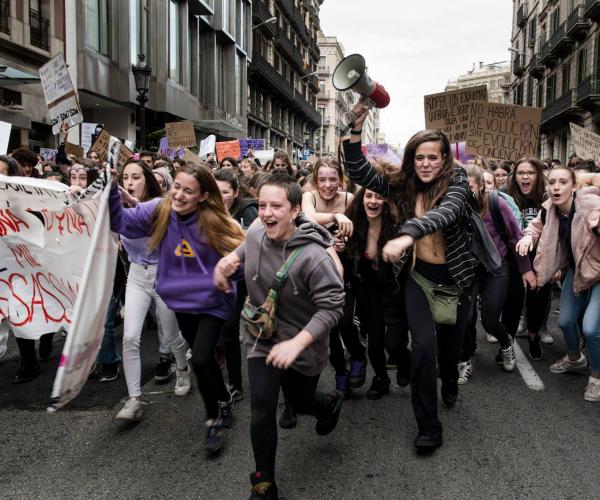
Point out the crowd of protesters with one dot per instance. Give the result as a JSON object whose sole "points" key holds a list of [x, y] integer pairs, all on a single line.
{"points": [[337, 259]]}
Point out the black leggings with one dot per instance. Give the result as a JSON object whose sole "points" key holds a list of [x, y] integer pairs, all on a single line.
{"points": [[201, 332], [27, 350], [231, 338], [349, 333], [265, 382], [425, 347]]}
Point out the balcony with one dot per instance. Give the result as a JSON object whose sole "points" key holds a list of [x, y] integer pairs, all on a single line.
{"points": [[536, 68], [518, 65], [313, 83], [592, 10], [5, 16], [522, 14], [200, 8], [38, 30], [560, 42], [577, 24], [296, 20], [588, 93], [313, 50], [563, 107], [256, 113], [290, 51], [260, 69], [547, 58], [307, 109], [260, 13]]}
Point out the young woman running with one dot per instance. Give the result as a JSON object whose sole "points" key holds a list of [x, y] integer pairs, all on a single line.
{"points": [[309, 305], [191, 229], [528, 188], [138, 185], [567, 234], [326, 206], [493, 288], [433, 192]]}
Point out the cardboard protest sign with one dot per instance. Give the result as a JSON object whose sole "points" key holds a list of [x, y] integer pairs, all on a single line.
{"points": [[246, 144], [503, 131], [48, 154], [191, 157], [4, 136], [74, 149], [60, 94], [207, 145], [100, 145], [585, 142], [165, 150], [449, 111], [180, 134], [228, 148], [110, 149]]}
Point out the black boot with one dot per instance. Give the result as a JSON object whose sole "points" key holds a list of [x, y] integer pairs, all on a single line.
{"points": [[263, 486], [379, 388], [45, 347], [26, 374], [288, 418], [449, 392]]}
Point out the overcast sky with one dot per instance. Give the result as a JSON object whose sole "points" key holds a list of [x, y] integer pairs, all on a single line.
{"points": [[413, 47]]}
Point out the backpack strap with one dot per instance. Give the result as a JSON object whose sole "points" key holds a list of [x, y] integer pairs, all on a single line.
{"points": [[543, 215], [282, 275], [496, 214]]}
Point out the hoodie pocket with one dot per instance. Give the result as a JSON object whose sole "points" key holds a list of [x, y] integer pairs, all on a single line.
{"points": [[190, 292]]}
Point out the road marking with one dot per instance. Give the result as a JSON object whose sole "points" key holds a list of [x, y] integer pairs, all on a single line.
{"points": [[527, 371]]}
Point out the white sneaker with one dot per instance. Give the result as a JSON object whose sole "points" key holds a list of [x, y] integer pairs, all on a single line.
{"points": [[522, 328], [592, 391], [184, 382], [546, 338], [508, 357], [491, 339], [131, 411], [564, 365], [465, 370]]}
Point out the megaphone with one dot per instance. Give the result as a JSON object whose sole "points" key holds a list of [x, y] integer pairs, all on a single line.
{"points": [[351, 74]]}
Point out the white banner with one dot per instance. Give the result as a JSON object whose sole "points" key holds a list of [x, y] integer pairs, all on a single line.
{"points": [[207, 146], [60, 94], [57, 260]]}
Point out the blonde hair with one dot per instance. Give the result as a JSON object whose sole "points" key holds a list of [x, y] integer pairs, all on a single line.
{"points": [[219, 229]]}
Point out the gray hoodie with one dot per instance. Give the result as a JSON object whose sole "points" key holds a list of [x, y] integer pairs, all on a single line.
{"points": [[312, 298]]}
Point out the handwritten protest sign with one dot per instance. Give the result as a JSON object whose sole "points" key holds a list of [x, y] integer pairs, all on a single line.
{"points": [[246, 144], [264, 155], [503, 131], [87, 131], [74, 149], [585, 142], [48, 154], [4, 136], [165, 150], [110, 149], [59, 93], [207, 145], [100, 145], [228, 148], [180, 134], [449, 111], [191, 157]]}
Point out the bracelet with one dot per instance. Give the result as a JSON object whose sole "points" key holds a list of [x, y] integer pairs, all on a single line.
{"points": [[356, 132]]}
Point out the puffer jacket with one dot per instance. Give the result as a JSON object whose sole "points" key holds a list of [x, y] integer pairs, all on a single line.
{"points": [[552, 254]]}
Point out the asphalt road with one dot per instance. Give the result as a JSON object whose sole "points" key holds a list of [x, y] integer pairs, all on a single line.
{"points": [[502, 440]]}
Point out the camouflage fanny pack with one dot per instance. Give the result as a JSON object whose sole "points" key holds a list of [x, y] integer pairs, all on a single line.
{"points": [[260, 322]]}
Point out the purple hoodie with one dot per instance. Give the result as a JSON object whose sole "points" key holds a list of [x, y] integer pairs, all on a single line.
{"points": [[185, 262]]}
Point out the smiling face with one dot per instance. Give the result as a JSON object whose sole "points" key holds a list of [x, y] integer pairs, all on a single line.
{"points": [[228, 194], [328, 182], [78, 176], [134, 181], [186, 194], [276, 213], [373, 204], [526, 176], [561, 187], [489, 181], [428, 161]]}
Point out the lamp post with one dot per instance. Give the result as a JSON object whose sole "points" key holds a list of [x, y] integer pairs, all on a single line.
{"points": [[141, 73], [268, 21]]}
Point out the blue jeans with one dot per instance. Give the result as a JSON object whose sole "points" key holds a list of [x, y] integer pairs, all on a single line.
{"points": [[108, 350], [572, 308]]}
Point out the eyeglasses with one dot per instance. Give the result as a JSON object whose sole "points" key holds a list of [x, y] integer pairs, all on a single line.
{"points": [[530, 173]]}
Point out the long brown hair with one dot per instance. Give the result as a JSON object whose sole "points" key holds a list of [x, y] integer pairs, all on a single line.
{"points": [[406, 178], [538, 193], [220, 231], [482, 196], [152, 188]]}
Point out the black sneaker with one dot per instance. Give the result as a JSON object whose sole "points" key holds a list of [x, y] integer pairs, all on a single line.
{"points": [[25, 374], [45, 348], [499, 360], [379, 388], [358, 374], [288, 418], [327, 422], [426, 442], [163, 371], [535, 348], [263, 486], [213, 440], [110, 372], [449, 393], [403, 373], [226, 414]]}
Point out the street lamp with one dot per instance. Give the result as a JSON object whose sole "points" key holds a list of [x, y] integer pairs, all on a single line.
{"points": [[141, 73], [268, 21], [308, 74]]}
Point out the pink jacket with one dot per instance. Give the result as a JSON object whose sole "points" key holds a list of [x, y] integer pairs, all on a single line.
{"points": [[551, 253]]}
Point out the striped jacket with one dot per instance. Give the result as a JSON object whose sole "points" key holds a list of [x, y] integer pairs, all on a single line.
{"points": [[450, 215]]}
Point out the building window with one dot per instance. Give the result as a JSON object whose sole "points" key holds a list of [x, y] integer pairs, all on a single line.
{"points": [[530, 91], [555, 21], [581, 65], [518, 94], [550, 89], [174, 37], [532, 30], [566, 77], [138, 29], [96, 25], [540, 95], [241, 24]]}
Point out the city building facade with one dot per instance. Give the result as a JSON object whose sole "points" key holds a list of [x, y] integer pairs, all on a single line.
{"points": [[282, 75], [495, 76], [556, 66], [31, 32]]}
